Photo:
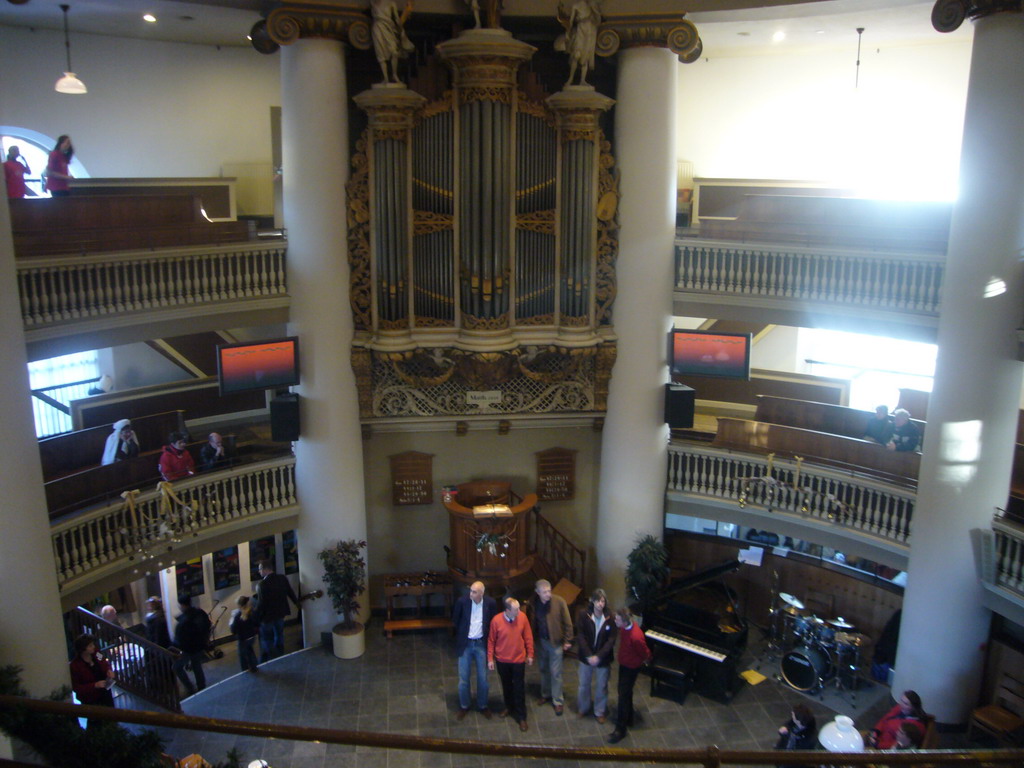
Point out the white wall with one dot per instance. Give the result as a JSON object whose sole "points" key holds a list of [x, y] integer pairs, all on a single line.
{"points": [[776, 350], [797, 116], [153, 108]]}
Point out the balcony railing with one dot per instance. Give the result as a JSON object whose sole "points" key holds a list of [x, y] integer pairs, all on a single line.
{"points": [[1009, 551], [68, 288], [901, 282], [131, 531], [854, 502]]}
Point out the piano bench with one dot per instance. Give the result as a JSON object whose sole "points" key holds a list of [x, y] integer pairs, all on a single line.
{"points": [[669, 683]]}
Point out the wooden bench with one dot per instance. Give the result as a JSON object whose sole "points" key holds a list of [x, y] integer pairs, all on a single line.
{"points": [[819, 447], [420, 585]]}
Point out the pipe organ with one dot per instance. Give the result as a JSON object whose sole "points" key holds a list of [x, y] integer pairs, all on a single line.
{"points": [[482, 243]]}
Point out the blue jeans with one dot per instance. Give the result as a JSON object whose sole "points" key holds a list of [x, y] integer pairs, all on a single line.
{"points": [[476, 651], [246, 655], [271, 639], [549, 659], [600, 677], [196, 660]]}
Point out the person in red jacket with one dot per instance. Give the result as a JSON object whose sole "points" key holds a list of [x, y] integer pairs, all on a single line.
{"points": [[633, 654], [91, 675], [57, 169], [15, 169], [907, 710], [175, 461], [509, 650]]}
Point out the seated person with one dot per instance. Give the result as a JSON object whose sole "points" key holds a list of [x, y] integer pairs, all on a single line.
{"points": [[212, 455], [800, 731], [908, 709], [121, 444], [909, 737], [879, 428], [905, 435], [175, 461]]}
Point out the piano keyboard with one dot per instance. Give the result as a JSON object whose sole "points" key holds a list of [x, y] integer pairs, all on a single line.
{"points": [[686, 645]]}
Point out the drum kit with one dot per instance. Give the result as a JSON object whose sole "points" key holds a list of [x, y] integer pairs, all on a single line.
{"points": [[815, 652]]}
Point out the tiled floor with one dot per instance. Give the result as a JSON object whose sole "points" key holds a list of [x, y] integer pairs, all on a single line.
{"points": [[407, 685]]}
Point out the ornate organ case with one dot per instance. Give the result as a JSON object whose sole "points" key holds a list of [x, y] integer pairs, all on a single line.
{"points": [[482, 242]]}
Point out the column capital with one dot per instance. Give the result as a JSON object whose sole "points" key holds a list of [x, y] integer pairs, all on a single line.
{"points": [[657, 30], [948, 15], [295, 19], [391, 108], [577, 109]]}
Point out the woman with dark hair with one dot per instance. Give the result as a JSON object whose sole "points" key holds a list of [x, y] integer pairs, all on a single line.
{"points": [[175, 461], [907, 709], [91, 675], [595, 633], [57, 173], [800, 731]]}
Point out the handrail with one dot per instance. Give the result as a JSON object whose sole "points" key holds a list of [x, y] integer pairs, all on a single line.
{"points": [[557, 550], [141, 667], [845, 499], [711, 756]]}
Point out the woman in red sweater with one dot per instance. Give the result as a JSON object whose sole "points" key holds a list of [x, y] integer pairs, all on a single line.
{"points": [[907, 710], [91, 675], [633, 654]]}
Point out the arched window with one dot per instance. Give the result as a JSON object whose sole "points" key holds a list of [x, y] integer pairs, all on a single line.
{"points": [[35, 148]]}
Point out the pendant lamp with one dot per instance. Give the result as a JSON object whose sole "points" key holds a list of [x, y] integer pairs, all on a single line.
{"points": [[69, 83], [840, 736]]}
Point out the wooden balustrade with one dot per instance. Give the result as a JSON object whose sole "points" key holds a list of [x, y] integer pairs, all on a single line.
{"points": [[83, 448], [902, 282], [140, 667], [857, 503], [112, 534], [857, 455], [72, 288], [1009, 551], [554, 548]]}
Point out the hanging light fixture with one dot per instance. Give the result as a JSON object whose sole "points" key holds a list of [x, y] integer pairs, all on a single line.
{"points": [[69, 83]]}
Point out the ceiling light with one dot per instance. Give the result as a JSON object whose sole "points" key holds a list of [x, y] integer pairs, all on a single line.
{"points": [[779, 36], [68, 83], [149, 17]]}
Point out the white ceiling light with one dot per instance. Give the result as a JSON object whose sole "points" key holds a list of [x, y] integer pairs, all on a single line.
{"points": [[779, 36], [149, 17], [68, 83]]}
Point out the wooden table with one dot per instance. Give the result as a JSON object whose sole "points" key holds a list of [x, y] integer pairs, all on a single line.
{"points": [[420, 585]]}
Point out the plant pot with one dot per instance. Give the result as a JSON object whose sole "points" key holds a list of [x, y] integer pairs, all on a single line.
{"points": [[349, 643]]}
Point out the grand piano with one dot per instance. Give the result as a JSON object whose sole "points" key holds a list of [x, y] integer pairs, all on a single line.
{"points": [[697, 636]]}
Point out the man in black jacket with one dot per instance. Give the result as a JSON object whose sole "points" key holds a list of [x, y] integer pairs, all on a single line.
{"points": [[595, 633], [272, 596], [471, 618], [191, 636]]}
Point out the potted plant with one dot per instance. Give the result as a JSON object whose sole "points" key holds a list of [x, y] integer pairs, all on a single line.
{"points": [[646, 571], [345, 577]]}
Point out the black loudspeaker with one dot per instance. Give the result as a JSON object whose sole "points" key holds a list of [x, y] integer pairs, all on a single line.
{"points": [[284, 418], [679, 406]]}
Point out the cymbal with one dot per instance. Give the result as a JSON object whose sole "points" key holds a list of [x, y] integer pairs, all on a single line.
{"points": [[840, 623], [790, 600]]}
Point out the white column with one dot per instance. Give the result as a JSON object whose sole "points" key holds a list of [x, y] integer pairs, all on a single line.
{"points": [[329, 453], [972, 416], [634, 458], [31, 633]]}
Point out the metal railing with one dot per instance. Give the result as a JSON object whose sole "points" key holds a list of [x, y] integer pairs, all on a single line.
{"points": [[125, 532], [855, 502], [140, 667], [901, 282], [710, 757], [68, 288], [51, 406]]}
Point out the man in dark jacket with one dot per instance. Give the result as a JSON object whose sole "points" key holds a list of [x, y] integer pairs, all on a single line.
{"points": [[471, 618], [272, 596], [595, 633], [191, 636]]}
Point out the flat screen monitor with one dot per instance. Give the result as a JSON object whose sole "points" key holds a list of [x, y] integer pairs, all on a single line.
{"points": [[258, 365], [710, 353]]}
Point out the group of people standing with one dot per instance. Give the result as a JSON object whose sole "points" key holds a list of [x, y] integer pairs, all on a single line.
{"points": [[58, 173], [509, 642]]}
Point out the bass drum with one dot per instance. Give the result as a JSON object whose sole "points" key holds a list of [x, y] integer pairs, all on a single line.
{"points": [[805, 665]]}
